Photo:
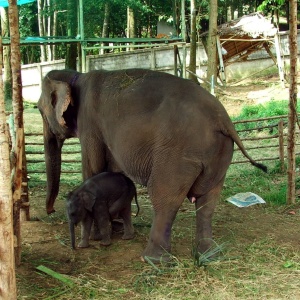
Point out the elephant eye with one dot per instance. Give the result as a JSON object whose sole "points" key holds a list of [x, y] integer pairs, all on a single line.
{"points": [[53, 99]]}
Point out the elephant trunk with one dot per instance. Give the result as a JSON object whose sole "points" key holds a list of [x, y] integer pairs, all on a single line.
{"points": [[72, 233], [52, 147]]}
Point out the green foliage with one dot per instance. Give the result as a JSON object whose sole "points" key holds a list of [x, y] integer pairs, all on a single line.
{"points": [[272, 5], [147, 13], [268, 109]]}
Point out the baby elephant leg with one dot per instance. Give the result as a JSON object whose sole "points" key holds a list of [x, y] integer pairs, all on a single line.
{"points": [[104, 225], [86, 226], [125, 214]]}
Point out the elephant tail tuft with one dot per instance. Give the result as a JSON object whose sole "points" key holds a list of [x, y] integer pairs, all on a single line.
{"points": [[260, 166]]}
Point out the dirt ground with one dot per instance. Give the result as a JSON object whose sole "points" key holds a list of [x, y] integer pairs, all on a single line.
{"points": [[46, 241]]}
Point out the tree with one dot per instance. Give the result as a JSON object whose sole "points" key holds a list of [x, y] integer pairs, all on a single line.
{"points": [[212, 41], [105, 31], [131, 33], [71, 57], [292, 102], [7, 260], [193, 43], [41, 9], [13, 16], [6, 61]]}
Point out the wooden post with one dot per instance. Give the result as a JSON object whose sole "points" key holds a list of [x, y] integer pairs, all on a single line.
{"points": [[175, 60], [183, 25], [8, 288], [281, 145], [291, 191], [279, 61], [184, 61], [13, 15], [221, 62]]}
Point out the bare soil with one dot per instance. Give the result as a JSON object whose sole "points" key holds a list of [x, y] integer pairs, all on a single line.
{"points": [[46, 241]]}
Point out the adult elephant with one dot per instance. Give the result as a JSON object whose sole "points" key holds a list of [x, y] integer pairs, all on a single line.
{"points": [[162, 131]]}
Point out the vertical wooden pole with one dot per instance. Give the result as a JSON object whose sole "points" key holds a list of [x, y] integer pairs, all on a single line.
{"points": [[83, 44], [281, 145], [291, 191], [184, 61], [13, 16], [279, 61], [175, 60], [183, 26], [221, 62], [8, 288]]}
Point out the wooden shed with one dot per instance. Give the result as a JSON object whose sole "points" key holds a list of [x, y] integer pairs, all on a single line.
{"points": [[239, 38]]}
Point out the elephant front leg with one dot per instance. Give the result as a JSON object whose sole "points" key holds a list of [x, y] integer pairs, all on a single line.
{"points": [[102, 219], [86, 226]]}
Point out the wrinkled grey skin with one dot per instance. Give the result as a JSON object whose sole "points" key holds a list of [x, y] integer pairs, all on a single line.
{"points": [[101, 198], [163, 132]]}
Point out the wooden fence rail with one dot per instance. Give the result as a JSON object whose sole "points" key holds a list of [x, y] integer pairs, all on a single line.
{"points": [[260, 141]]}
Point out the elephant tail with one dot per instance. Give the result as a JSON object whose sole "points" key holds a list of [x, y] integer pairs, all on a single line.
{"points": [[234, 135], [136, 202]]}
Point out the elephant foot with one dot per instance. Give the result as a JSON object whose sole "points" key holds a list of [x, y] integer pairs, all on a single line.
{"points": [[165, 259], [50, 210], [117, 226], [83, 244], [128, 236], [105, 242], [156, 255]]}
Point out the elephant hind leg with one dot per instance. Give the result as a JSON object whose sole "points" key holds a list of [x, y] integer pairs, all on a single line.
{"points": [[125, 214], [166, 203], [205, 206], [170, 181]]}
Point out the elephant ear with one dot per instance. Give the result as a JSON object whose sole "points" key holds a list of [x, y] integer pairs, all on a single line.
{"points": [[88, 200], [61, 98]]}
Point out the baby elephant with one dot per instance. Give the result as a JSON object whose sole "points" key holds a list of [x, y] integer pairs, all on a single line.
{"points": [[101, 198]]}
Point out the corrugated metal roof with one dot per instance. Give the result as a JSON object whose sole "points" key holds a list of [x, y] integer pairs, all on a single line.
{"points": [[4, 3], [254, 25]]}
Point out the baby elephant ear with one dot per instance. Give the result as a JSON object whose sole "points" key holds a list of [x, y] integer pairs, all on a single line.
{"points": [[88, 200]]}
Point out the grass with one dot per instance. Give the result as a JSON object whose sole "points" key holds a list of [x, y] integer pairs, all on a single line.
{"points": [[268, 109], [260, 259], [261, 271]]}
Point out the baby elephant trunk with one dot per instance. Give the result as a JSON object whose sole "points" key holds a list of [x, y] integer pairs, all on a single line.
{"points": [[72, 233]]}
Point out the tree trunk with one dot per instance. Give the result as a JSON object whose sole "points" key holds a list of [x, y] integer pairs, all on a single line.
{"points": [[54, 29], [130, 25], [41, 28], [176, 16], [193, 44], [8, 288], [6, 62], [292, 103], [49, 24], [18, 119], [105, 32], [71, 58], [183, 25], [212, 42]]}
